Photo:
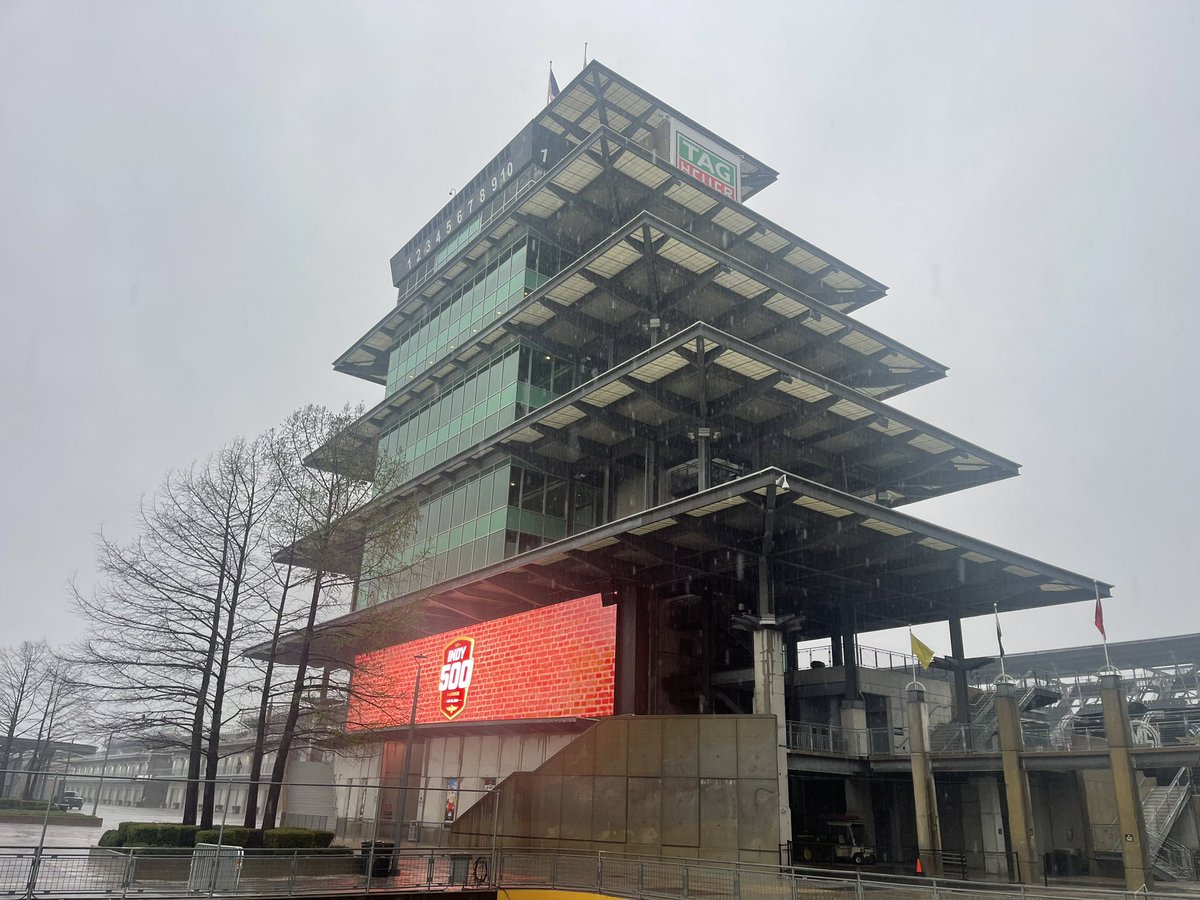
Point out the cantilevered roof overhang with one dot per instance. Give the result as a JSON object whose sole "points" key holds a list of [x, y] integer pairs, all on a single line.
{"points": [[600, 184], [828, 551], [599, 96], [756, 404], [607, 292]]}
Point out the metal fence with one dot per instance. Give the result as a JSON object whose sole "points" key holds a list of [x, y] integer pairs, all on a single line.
{"points": [[95, 872]]}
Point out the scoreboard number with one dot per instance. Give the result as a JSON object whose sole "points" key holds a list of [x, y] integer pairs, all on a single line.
{"points": [[456, 675]]}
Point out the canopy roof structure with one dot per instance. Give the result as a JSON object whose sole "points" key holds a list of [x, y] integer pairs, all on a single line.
{"points": [[830, 550], [748, 397], [599, 185], [647, 261]]}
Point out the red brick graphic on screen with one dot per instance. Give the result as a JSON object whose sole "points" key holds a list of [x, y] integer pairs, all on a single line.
{"points": [[454, 679], [553, 662]]}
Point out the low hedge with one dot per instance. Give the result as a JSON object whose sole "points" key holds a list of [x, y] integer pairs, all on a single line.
{"points": [[13, 803], [157, 834], [279, 838], [231, 836], [169, 835]]}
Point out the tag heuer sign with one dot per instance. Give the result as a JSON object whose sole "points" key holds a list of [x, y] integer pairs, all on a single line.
{"points": [[458, 665], [705, 161]]}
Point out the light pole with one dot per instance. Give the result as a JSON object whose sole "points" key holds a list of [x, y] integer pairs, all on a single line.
{"points": [[412, 729], [103, 766]]}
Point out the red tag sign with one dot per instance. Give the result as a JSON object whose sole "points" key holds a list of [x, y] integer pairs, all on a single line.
{"points": [[458, 665]]}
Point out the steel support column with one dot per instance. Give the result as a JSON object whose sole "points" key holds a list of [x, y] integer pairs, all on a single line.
{"points": [[962, 701]]}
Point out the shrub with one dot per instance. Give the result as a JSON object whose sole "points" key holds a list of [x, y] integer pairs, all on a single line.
{"points": [[289, 837], [233, 836], [323, 838], [112, 838], [157, 834]]}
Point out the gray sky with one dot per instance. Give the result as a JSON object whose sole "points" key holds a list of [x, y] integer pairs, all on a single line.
{"points": [[198, 202]]}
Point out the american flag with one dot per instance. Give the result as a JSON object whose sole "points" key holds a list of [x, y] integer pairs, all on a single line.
{"points": [[552, 87]]}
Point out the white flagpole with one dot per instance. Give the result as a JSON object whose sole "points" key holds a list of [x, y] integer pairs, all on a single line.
{"points": [[1103, 631], [999, 641]]}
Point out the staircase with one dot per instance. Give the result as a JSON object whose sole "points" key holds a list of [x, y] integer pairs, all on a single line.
{"points": [[1176, 861], [1035, 690], [1160, 808]]}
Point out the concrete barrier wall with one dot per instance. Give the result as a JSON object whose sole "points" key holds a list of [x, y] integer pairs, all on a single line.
{"points": [[703, 787]]}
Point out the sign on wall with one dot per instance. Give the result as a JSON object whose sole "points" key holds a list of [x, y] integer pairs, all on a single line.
{"points": [[704, 159], [458, 666], [556, 661]]}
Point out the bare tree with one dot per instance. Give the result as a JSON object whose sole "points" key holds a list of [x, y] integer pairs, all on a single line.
{"points": [[21, 671], [342, 536], [59, 698], [166, 618]]}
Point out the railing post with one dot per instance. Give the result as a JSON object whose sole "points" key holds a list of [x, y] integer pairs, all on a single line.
{"points": [[292, 871], [599, 870], [737, 884], [34, 865], [685, 879], [130, 872]]}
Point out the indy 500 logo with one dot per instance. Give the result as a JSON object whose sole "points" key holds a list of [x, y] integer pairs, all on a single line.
{"points": [[458, 665]]}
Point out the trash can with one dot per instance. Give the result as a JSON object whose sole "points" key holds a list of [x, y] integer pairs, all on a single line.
{"points": [[460, 865], [377, 858]]}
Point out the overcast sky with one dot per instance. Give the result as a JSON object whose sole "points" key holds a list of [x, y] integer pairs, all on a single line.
{"points": [[198, 202]]}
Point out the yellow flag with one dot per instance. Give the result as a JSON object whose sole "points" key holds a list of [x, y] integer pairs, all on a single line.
{"points": [[923, 654]]}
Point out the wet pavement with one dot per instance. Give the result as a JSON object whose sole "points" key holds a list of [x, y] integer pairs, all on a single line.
{"points": [[26, 834]]}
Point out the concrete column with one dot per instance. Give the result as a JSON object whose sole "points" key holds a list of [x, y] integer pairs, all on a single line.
{"points": [[929, 834], [1134, 845], [854, 726], [769, 700], [632, 688], [1016, 786]]}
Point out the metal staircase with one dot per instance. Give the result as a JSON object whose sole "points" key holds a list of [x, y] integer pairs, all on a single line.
{"points": [[1161, 808], [1035, 691]]}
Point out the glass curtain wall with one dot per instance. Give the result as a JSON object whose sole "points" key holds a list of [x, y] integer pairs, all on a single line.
{"points": [[503, 277], [505, 510], [519, 379]]}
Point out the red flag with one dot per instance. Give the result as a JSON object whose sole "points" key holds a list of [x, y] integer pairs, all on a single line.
{"points": [[1100, 617]]}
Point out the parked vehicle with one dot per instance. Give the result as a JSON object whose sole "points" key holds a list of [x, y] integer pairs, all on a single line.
{"points": [[837, 839], [70, 800]]}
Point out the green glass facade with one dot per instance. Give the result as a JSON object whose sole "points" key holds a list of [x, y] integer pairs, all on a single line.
{"points": [[464, 308], [507, 508], [492, 397], [504, 510]]}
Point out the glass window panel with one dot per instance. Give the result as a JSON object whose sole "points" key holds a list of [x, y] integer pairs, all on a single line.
{"points": [[542, 371], [556, 498], [514, 486], [533, 487], [500, 490]]}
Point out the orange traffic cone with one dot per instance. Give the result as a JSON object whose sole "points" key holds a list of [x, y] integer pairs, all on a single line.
{"points": [[920, 870]]}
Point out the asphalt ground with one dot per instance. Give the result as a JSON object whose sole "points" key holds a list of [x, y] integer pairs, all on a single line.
{"points": [[26, 834]]}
